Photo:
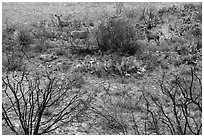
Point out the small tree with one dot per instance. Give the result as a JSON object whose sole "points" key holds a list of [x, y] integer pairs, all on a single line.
{"points": [[39, 103], [177, 107]]}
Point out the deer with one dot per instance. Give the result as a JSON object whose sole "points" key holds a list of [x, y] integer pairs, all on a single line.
{"points": [[148, 17], [152, 35], [76, 34], [61, 23]]}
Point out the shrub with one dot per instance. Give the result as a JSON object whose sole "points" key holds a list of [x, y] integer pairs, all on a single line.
{"points": [[44, 101], [16, 40], [117, 35], [15, 47], [22, 38], [179, 103]]}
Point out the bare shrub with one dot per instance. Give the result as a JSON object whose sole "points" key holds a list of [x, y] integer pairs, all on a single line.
{"points": [[39, 104], [178, 108]]}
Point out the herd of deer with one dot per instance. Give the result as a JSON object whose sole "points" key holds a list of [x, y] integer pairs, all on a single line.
{"points": [[84, 34]]}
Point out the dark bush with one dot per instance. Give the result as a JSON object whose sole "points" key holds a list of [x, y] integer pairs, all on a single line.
{"points": [[15, 43], [16, 40], [117, 35]]}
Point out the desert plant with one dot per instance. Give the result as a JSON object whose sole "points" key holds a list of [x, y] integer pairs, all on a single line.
{"points": [[22, 38], [15, 48], [39, 104], [117, 112], [117, 35], [178, 108], [171, 104]]}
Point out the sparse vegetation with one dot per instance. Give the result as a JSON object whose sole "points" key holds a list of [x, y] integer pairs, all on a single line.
{"points": [[117, 68]]}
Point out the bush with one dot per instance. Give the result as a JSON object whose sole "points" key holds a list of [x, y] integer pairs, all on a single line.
{"points": [[117, 35], [15, 46], [22, 37], [179, 103], [45, 101], [16, 40]]}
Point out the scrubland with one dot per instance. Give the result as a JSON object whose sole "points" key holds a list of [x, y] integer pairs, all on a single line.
{"points": [[131, 68]]}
